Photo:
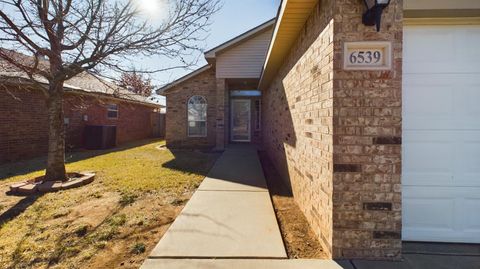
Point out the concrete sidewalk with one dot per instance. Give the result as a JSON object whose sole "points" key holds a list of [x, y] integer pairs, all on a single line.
{"points": [[229, 222], [421, 255]]}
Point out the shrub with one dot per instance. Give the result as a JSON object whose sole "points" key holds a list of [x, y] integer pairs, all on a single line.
{"points": [[138, 248], [127, 198]]}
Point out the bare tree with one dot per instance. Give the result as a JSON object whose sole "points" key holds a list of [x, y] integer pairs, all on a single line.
{"points": [[68, 37], [136, 83]]}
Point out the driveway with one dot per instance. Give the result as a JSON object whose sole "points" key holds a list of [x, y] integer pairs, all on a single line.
{"points": [[426, 256]]}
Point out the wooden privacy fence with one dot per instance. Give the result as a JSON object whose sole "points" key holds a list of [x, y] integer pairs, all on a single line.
{"points": [[158, 124]]}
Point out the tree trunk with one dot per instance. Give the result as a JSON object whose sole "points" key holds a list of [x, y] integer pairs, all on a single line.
{"points": [[56, 134]]}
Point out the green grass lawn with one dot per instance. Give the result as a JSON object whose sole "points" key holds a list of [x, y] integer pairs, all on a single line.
{"points": [[134, 167], [114, 221]]}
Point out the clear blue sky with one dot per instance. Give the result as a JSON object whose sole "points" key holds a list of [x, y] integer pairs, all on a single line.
{"points": [[235, 17]]}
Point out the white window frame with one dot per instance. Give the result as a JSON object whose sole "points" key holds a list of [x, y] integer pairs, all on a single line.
{"points": [[109, 109], [206, 115]]}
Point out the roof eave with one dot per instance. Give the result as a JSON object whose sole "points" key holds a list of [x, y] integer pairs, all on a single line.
{"points": [[77, 90], [291, 18], [212, 53], [166, 88]]}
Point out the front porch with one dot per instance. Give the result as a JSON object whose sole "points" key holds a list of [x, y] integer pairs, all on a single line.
{"points": [[242, 112]]}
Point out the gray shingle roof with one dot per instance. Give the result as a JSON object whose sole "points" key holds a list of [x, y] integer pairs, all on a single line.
{"points": [[83, 83]]}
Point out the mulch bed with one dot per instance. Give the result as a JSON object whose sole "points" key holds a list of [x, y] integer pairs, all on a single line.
{"points": [[299, 239]]}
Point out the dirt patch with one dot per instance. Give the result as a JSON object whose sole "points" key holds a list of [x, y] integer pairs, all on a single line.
{"points": [[299, 239], [114, 222], [139, 236], [92, 231]]}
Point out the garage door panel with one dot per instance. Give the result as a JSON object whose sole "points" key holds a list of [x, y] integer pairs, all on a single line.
{"points": [[422, 54], [430, 161], [472, 223], [441, 49], [433, 101], [422, 213], [472, 101], [441, 134], [441, 158], [470, 163], [417, 113], [469, 54], [437, 214]]}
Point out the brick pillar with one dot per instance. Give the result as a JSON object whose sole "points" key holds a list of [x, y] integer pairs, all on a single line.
{"points": [[367, 125], [220, 114]]}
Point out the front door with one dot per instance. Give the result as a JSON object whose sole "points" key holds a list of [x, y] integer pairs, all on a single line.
{"points": [[240, 120]]}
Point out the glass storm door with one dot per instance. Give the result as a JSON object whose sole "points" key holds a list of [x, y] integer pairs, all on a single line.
{"points": [[240, 120]]}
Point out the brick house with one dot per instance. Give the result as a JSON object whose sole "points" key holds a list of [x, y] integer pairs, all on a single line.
{"points": [[377, 135], [88, 101]]}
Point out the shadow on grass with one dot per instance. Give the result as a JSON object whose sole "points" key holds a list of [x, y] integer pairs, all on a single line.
{"points": [[192, 161], [28, 166], [18, 208]]}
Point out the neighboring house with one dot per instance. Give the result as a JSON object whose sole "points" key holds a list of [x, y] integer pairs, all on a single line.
{"points": [[88, 101], [375, 152]]}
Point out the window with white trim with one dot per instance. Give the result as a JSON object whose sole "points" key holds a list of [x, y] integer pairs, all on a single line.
{"points": [[197, 116], [112, 111]]}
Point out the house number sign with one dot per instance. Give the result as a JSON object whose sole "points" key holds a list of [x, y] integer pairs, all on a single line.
{"points": [[370, 55]]}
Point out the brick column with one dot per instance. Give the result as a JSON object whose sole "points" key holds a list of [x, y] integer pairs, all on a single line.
{"points": [[220, 114], [367, 125]]}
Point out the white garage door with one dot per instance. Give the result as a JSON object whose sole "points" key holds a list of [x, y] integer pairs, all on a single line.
{"points": [[441, 134]]}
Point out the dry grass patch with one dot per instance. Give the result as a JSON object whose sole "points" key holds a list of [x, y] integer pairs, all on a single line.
{"points": [[113, 222]]}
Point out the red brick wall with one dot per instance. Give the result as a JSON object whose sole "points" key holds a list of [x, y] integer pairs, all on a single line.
{"points": [[133, 120], [24, 128], [203, 84], [367, 127], [297, 122], [23, 118], [335, 134]]}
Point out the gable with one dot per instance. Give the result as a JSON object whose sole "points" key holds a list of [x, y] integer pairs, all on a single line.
{"points": [[244, 60]]}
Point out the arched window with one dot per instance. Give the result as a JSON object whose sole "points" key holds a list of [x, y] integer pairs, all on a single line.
{"points": [[197, 116]]}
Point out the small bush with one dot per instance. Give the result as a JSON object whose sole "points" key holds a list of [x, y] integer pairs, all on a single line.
{"points": [[127, 198], [138, 248]]}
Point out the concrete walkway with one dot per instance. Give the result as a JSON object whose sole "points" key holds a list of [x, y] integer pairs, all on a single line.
{"points": [[228, 223]]}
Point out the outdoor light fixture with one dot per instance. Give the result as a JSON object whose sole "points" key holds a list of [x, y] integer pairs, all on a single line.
{"points": [[373, 15]]}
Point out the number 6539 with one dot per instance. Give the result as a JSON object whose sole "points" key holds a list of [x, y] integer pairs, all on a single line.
{"points": [[365, 57]]}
